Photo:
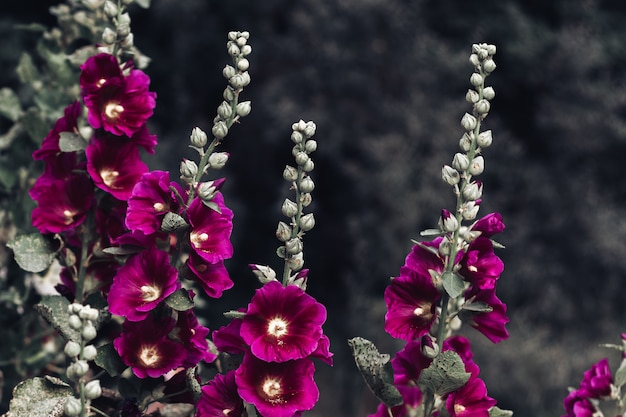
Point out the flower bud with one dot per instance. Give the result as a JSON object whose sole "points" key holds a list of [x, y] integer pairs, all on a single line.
{"points": [[489, 65], [110, 8], [217, 160], [489, 93], [297, 137], [108, 36], [473, 59], [484, 139], [224, 110], [455, 323], [301, 125], [477, 166], [306, 185], [245, 34], [482, 106], [290, 173], [72, 349], [89, 332], [460, 162], [74, 308], [445, 248], [241, 41], [220, 130], [302, 158], [237, 81], [308, 166], [233, 35], [72, 407], [309, 129], [128, 41], [207, 190], [483, 53], [491, 49], [88, 313], [123, 30], [448, 222], [263, 273], [469, 210], [468, 122], [229, 94], [75, 322], [310, 146], [233, 49], [81, 368], [450, 175], [465, 143], [246, 78], [430, 349], [295, 262], [243, 64], [188, 169], [473, 191], [243, 109], [307, 222], [246, 50], [89, 352], [283, 232], [198, 137], [476, 79], [289, 208], [306, 199], [293, 246], [92, 390], [472, 96]]}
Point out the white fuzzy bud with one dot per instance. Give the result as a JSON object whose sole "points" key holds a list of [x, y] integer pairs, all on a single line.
{"points": [[244, 108], [229, 71], [297, 137], [72, 407], [308, 166], [88, 313], [484, 139], [110, 9], [473, 59], [72, 349], [469, 210], [306, 185], [188, 169], [491, 49], [290, 173], [243, 64], [263, 273], [89, 332], [233, 35], [473, 191], [476, 79], [75, 322], [198, 137], [237, 81], [465, 143], [477, 166], [229, 94], [217, 160], [307, 222], [450, 175], [219, 130], [310, 146], [489, 93], [289, 208], [306, 199], [460, 162], [293, 246], [296, 262], [108, 36], [472, 96], [468, 122], [89, 352], [489, 65], [93, 390], [309, 129], [482, 106], [246, 50], [233, 49], [224, 110], [74, 308], [283, 232], [302, 158]]}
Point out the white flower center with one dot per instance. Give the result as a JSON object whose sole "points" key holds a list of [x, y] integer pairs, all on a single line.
{"points": [[458, 408], [277, 327], [197, 238], [418, 311], [113, 110], [69, 216], [272, 390], [149, 293], [158, 207], [149, 356], [109, 177], [101, 82]]}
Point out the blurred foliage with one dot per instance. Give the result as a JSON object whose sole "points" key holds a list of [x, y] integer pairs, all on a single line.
{"points": [[384, 80]]}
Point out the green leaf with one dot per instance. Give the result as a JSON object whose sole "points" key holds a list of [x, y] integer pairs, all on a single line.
{"points": [[477, 307], [53, 308], [26, 70], [143, 3], [123, 250], [39, 397], [8, 178], [71, 142], [498, 412], [212, 205], [431, 232], [376, 370], [445, 374], [620, 374], [33, 253], [173, 222], [10, 104], [108, 359], [179, 300], [453, 284]]}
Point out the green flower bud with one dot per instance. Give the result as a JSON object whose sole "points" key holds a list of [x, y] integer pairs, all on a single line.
{"points": [[482, 107], [109, 36], [489, 93], [293, 246], [110, 9], [243, 64], [290, 173], [307, 222], [89, 352], [229, 71], [477, 165], [188, 169], [302, 158], [476, 79], [198, 137], [224, 110], [460, 162], [229, 94], [246, 50], [220, 130], [237, 81], [89, 332], [75, 322], [243, 108], [310, 146], [283, 232], [297, 137], [484, 139], [217, 160], [450, 175], [72, 349], [472, 96], [289, 208], [308, 166], [93, 390], [306, 185], [72, 407], [468, 122]]}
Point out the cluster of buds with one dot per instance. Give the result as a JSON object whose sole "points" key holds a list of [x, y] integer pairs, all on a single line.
{"points": [[119, 38], [291, 233], [82, 319]]}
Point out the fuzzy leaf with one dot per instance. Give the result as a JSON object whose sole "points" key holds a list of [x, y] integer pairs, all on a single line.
{"points": [[26, 70], [173, 222], [376, 370], [232, 314], [33, 253], [71, 142], [143, 3], [39, 397], [108, 359], [620, 374], [213, 206], [35, 125], [445, 374], [53, 308], [123, 250], [10, 104], [431, 232], [453, 284], [179, 300], [498, 412]]}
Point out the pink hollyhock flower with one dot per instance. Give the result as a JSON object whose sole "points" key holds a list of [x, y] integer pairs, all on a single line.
{"points": [[577, 404], [115, 165], [492, 323], [461, 346], [144, 139], [228, 338], [110, 215], [213, 277], [150, 200], [142, 283], [489, 225], [62, 204], [145, 347], [68, 123], [282, 323], [470, 400], [277, 389], [597, 381], [220, 398], [119, 104], [210, 230], [480, 265], [323, 352], [193, 336]]}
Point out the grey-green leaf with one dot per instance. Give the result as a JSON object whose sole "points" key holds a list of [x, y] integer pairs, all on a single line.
{"points": [[620, 374], [33, 253], [498, 412], [71, 142], [108, 359], [445, 374], [10, 104], [376, 370], [453, 284], [143, 3], [179, 300], [39, 397], [53, 308], [26, 70]]}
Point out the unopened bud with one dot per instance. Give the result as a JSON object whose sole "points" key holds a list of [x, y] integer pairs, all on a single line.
{"points": [[246, 50], [293, 246], [243, 64], [460, 162], [306, 199], [473, 59], [306, 185], [290, 173], [448, 222], [89, 332], [465, 143], [241, 41], [309, 129], [75, 308], [72, 407], [92, 390], [263, 273], [310, 146], [224, 110], [473, 191], [188, 169], [217, 160], [302, 158], [198, 137], [80, 368], [307, 222], [430, 349], [246, 78], [469, 210], [289, 208], [220, 130], [297, 137], [128, 41], [445, 248], [450, 175], [233, 35], [477, 166], [308, 166], [489, 93], [229, 94], [472, 96], [72, 349], [468, 122], [237, 81], [489, 65], [75, 322], [295, 262], [476, 79], [484, 139], [283, 232], [89, 313], [482, 106], [244, 108], [233, 49], [110, 8], [89, 352], [207, 190], [301, 125], [109, 36], [491, 49]]}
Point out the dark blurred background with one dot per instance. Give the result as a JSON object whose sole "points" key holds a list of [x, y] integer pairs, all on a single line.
{"points": [[385, 80]]}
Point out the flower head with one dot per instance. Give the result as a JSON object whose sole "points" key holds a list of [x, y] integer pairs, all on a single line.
{"points": [[597, 380], [489, 225], [213, 277], [210, 230], [490, 323], [470, 400], [220, 398], [480, 265]]}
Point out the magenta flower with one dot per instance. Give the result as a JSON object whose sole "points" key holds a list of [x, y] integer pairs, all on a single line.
{"points": [[323, 352], [491, 323], [489, 225], [193, 336], [228, 338], [68, 123], [470, 400], [461, 346], [597, 381], [577, 404], [213, 277], [150, 200], [282, 323], [210, 230], [141, 284], [220, 398], [119, 104], [277, 389], [115, 165], [146, 348], [480, 265]]}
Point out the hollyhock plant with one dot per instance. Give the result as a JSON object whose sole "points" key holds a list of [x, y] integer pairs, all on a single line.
{"points": [[141, 284], [228, 338], [146, 348], [282, 323], [119, 104], [115, 165], [597, 381], [277, 389], [220, 398], [210, 229]]}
